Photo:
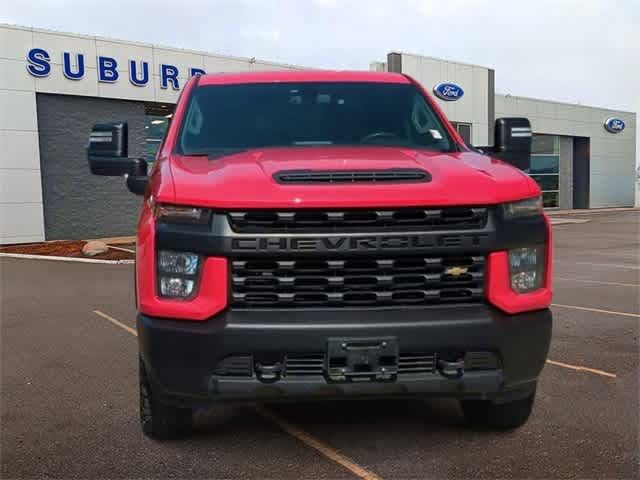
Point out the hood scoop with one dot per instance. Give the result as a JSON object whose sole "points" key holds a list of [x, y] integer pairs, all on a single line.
{"points": [[391, 175]]}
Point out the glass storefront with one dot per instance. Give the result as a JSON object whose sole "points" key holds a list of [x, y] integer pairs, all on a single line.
{"points": [[464, 129], [545, 167], [156, 122]]}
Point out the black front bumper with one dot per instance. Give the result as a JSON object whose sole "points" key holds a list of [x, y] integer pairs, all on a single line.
{"points": [[181, 357]]}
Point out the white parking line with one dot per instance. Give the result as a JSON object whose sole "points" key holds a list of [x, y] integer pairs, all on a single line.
{"points": [[287, 427], [606, 265], [117, 323], [596, 310], [598, 282], [582, 369], [316, 444]]}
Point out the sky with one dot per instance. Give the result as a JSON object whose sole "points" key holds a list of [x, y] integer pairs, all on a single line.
{"points": [[581, 51]]}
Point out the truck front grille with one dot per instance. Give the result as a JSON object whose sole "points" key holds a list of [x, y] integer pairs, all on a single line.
{"points": [[334, 221], [366, 282]]}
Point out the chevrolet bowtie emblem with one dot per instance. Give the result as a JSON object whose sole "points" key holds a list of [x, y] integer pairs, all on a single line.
{"points": [[456, 271]]}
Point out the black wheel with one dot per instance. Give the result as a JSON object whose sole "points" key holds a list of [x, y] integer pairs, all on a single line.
{"points": [[159, 421], [499, 416]]}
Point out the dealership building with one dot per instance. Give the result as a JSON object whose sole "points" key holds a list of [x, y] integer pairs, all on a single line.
{"points": [[55, 86]]}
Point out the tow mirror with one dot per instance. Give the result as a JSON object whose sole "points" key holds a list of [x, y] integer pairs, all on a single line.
{"points": [[107, 154], [512, 142]]}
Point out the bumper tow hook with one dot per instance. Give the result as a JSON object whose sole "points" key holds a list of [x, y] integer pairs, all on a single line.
{"points": [[451, 370]]}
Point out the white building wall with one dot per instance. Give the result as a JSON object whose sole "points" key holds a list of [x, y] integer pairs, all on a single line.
{"points": [[21, 217], [612, 156], [472, 107], [21, 214]]}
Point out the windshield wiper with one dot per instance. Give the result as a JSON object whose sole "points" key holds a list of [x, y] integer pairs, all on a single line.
{"points": [[215, 153]]}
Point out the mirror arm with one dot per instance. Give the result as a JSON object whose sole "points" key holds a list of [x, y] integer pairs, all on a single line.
{"points": [[139, 167], [138, 179]]}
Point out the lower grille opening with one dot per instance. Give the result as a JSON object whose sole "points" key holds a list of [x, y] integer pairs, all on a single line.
{"points": [[367, 282], [416, 363], [300, 365], [303, 365]]}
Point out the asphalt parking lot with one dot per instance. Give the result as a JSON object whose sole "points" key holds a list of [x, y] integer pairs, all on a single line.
{"points": [[69, 398]]}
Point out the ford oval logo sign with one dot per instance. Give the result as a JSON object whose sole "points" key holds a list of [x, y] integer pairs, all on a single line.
{"points": [[449, 92], [614, 125]]}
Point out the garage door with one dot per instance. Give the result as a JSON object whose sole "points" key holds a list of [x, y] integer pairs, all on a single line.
{"points": [[78, 205]]}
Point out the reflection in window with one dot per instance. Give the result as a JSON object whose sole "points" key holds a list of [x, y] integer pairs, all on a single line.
{"points": [[550, 199], [545, 167], [547, 182], [545, 144], [156, 122], [544, 164], [310, 113]]}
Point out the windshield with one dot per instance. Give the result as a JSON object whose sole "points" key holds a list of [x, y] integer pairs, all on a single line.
{"points": [[228, 118]]}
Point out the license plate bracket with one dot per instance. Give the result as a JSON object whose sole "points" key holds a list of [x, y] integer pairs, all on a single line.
{"points": [[362, 359]]}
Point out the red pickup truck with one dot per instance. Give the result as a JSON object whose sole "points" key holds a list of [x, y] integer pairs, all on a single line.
{"points": [[329, 235]]}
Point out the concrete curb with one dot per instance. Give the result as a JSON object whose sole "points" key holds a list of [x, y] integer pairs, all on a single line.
{"points": [[591, 211], [565, 221], [27, 256]]}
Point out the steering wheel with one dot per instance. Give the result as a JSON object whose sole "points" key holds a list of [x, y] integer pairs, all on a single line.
{"points": [[378, 136]]}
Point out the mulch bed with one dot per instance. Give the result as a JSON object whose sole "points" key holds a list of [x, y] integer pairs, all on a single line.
{"points": [[67, 248]]}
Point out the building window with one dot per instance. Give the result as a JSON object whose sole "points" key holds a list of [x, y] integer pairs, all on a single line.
{"points": [[545, 167], [464, 130], [156, 122]]}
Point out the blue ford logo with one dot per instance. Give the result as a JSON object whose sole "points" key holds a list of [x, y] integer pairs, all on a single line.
{"points": [[614, 125], [448, 91]]}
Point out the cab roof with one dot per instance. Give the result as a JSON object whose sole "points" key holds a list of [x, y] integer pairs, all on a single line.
{"points": [[301, 76]]}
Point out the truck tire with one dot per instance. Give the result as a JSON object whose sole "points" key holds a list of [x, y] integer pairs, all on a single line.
{"points": [[160, 421], [498, 416]]}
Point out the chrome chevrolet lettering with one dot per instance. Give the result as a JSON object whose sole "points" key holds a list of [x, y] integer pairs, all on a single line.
{"points": [[358, 243]]}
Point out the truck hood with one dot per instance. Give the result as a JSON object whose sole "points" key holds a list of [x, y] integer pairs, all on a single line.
{"points": [[245, 180]]}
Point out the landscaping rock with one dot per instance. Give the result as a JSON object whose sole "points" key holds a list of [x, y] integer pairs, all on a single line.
{"points": [[93, 248]]}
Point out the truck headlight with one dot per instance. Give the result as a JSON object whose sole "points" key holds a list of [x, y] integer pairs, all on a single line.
{"points": [[178, 273], [179, 214], [523, 208], [527, 268]]}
